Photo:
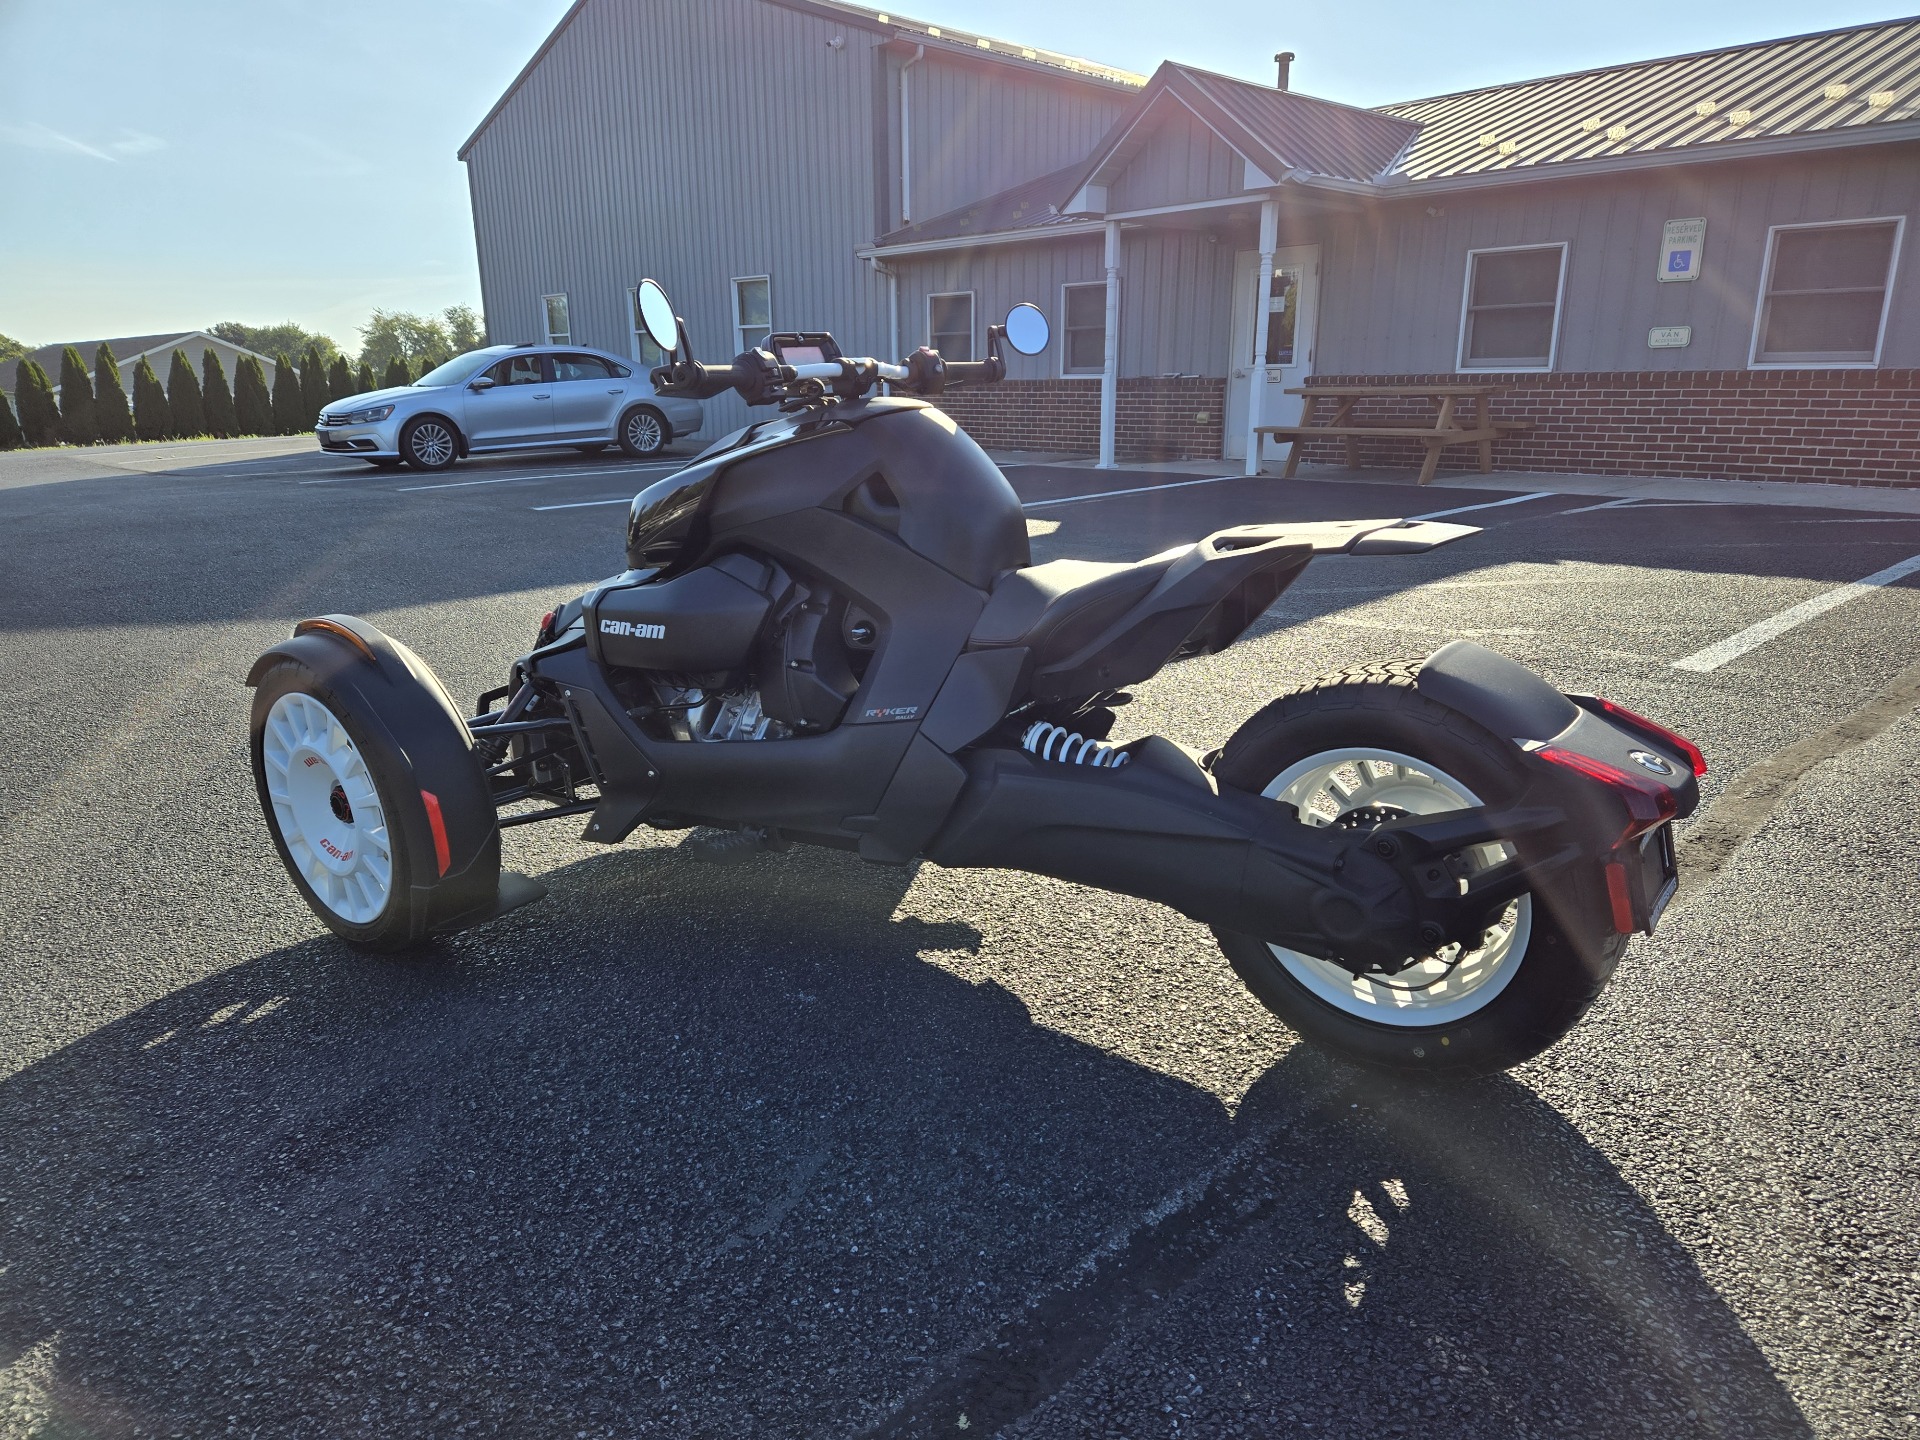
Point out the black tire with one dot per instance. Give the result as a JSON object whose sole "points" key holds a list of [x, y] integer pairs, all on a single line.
{"points": [[403, 919], [429, 443], [644, 432], [1568, 957], [386, 462]]}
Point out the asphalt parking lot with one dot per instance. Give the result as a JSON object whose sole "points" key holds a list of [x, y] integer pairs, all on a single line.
{"points": [[810, 1148]]}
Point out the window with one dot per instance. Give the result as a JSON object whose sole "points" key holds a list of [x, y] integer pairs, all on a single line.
{"points": [[644, 350], [950, 325], [1283, 314], [752, 313], [1085, 352], [1824, 298], [517, 370], [559, 331], [580, 367], [1512, 314]]}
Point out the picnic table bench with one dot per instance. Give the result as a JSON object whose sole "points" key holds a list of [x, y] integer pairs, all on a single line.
{"points": [[1444, 431]]}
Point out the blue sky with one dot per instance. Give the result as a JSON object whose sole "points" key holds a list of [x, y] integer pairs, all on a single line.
{"points": [[169, 165]]}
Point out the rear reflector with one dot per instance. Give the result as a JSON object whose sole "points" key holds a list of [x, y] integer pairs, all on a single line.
{"points": [[1658, 732], [1620, 897], [442, 853], [1647, 803]]}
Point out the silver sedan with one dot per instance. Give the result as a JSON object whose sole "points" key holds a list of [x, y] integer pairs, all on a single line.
{"points": [[509, 397]]}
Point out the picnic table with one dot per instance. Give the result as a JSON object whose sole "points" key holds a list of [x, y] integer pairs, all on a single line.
{"points": [[1338, 402]]}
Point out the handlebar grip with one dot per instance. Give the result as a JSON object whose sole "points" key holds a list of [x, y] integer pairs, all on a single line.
{"points": [[695, 380], [975, 372]]}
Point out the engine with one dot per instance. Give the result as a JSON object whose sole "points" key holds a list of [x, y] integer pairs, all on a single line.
{"points": [[738, 649]]}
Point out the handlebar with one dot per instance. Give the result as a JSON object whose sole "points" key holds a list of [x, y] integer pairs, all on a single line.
{"points": [[760, 378]]}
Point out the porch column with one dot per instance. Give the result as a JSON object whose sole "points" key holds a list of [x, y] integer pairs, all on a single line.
{"points": [[1110, 366], [1262, 289]]}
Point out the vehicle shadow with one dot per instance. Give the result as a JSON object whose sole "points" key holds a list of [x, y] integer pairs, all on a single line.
{"points": [[676, 1155]]}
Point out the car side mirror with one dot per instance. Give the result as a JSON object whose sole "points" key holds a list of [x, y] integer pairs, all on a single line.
{"points": [[485, 382]]}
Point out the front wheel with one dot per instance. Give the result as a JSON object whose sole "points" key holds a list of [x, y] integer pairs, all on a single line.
{"points": [[643, 432], [429, 443], [1359, 748]]}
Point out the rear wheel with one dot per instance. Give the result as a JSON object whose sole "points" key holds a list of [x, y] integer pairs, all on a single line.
{"points": [[1359, 748], [429, 443], [644, 432]]}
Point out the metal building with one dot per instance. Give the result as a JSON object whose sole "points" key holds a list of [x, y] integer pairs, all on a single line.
{"points": [[1683, 266]]}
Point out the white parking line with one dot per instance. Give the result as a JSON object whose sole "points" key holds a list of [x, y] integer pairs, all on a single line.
{"points": [[584, 504], [375, 475], [1137, 490], [1734, 646], [1487, 505]]}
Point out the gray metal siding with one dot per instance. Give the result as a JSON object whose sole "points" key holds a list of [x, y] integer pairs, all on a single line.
{"points": [[1181, 162], [1393, 275], [977, 130], [1000, 277], [629, 151]]}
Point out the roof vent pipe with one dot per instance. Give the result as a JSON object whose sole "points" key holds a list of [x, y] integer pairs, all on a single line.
{"points": [[1285, 61]]}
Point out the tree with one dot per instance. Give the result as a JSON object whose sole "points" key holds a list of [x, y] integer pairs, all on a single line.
{"points": [[364, 380], [287, 401], [184, 401], [110, 398], [339, 379], [33, 402], [252, 408], [272, 339], [313, 385], [152, 419], [11, 436], [391, 333], [466, 328], [396, 374], [11, 349], [78, 424], [217, 397]]}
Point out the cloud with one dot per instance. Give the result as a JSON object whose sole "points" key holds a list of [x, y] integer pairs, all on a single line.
{"points": [[36, 136]]}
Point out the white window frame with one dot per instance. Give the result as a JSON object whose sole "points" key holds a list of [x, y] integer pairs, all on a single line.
{"points": [[1066, 336], [973, 323], [546, 319], [733, 309], [1754, 362], [1460, 365], [636, 347]]}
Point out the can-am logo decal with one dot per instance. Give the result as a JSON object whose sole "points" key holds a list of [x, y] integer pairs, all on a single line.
{"points": [[639, 630]]}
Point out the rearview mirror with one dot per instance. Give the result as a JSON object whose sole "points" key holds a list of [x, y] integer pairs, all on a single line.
{"points": [[656, 315], [1027, 328]]}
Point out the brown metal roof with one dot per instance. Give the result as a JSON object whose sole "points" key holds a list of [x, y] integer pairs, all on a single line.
{"points": [[1856, 78], [1024, 207], [1283, 130]]}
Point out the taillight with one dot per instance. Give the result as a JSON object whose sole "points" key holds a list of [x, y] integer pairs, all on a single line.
{"points": [[1660, 732], [1648, 804]]}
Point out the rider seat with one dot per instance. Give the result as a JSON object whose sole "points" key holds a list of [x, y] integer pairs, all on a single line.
{"points": [[1055, 609]]}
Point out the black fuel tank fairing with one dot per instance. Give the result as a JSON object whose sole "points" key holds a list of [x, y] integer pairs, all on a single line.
{"points": [[899, 465]]}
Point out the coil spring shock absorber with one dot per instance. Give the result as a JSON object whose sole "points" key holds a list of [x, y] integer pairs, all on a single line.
{"points": [[1056, 742]]}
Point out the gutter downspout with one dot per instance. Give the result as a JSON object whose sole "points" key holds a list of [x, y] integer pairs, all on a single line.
{"points": [[880, 267], [1263, 289], [906, 143], [1110, 365]]}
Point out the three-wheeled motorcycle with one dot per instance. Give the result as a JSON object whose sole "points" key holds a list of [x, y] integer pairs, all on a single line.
{"points": [[829, 630]]}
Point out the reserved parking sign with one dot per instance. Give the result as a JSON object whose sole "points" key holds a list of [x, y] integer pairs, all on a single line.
{"points": [[1681, 244]]}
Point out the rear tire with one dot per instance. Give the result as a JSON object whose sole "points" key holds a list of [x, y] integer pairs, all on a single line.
{"points": [[1364, 744], [338, 801], [644, 432], [429, 443]]}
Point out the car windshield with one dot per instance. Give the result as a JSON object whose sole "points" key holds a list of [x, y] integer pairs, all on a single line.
{"points": [[454, 371]]}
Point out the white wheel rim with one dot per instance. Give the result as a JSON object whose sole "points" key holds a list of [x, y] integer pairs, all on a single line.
{"points": [[327, 808], [1441, 989], [643, 432], [431, 444]]}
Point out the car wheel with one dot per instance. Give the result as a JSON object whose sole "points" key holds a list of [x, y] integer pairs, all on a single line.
{"points": [[429, 443], [644, 431]]}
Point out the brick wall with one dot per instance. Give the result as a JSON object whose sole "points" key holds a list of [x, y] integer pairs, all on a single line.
{"points": [[1157, 418], [1848, 427]]}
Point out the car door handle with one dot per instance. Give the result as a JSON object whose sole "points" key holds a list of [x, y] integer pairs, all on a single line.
{"points": [[543, 397], [617, 390]]}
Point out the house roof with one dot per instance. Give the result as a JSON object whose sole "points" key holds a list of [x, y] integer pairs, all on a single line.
{"points": [[960, 44], [1856, 79], [126, 349], [1031, 206], [1283, 130]]}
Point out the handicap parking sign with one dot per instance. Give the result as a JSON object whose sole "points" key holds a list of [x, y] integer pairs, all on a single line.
{"points": [[1679, 261], [1681, 244]]}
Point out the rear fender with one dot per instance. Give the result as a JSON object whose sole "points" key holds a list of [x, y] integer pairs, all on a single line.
{"points": [[414, 721]]}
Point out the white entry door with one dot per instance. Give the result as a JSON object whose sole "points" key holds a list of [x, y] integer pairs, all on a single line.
{"points": [[1292, 302]]}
